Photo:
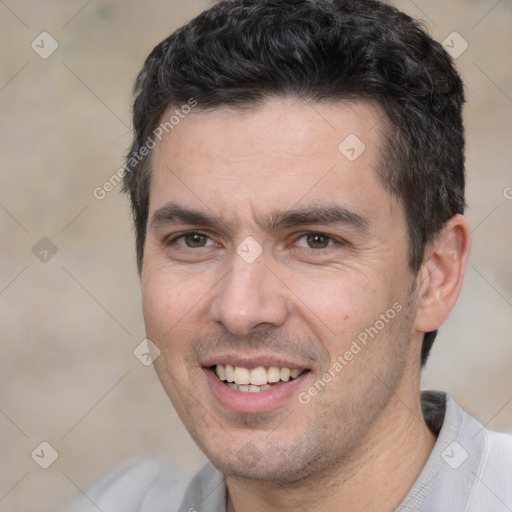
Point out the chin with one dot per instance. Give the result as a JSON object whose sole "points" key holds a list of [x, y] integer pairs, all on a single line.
{"points": [[284, 464]]}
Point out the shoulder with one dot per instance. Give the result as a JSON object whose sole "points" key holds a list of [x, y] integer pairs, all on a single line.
{"points": [[131, 488], [493, 482], [497, 460], [499, 448]]}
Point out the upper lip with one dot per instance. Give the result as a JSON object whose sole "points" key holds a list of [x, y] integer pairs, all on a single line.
{"points": [[245, 361]]}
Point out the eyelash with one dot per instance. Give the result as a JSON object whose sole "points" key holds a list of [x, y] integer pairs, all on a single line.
{"points": [[333, 241], [173, 240]]}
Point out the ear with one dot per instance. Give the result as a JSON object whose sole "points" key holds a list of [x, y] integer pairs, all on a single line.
{"points": [[441, 274]]}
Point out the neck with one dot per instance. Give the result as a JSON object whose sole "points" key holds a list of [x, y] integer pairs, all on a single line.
{"points": [[377, 476]]}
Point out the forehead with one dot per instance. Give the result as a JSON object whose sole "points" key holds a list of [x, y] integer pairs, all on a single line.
{"points": [[272, 157]]}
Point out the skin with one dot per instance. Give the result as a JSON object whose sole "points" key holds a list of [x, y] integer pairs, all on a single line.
{"points": [[303, 299]]}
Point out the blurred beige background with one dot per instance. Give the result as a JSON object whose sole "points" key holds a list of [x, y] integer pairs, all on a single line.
{"points": [[70, 321]]}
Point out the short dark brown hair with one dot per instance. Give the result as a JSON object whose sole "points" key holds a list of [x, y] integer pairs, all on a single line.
{"points": [[239, 53]]}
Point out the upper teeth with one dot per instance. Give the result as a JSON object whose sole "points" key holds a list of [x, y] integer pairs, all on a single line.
{"points": [[256, 376]]}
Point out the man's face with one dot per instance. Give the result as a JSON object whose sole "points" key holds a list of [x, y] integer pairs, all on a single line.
{"points": [[270, 247]]}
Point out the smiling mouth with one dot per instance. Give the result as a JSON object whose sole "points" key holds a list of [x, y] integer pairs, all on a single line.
{"points": [[254, 380]]}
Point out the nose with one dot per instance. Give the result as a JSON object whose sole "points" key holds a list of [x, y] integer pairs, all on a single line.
{"points": [[250, 296]]}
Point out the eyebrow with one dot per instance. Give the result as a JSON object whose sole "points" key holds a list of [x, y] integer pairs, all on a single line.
{"points": [[330, 215], [172, 214]]}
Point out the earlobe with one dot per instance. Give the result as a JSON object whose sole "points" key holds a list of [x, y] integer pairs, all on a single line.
{"points": [[440, 277]]}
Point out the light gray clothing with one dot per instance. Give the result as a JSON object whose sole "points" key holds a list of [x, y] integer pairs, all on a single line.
{"points": [[469, 470]]}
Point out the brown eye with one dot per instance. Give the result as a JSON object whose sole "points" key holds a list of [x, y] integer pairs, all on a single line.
{"points": [[193, 240], [318, 241]]}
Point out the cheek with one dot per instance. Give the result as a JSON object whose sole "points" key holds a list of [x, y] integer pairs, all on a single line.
{"points": [[172, 307], [168, 311], [157, 308], [335, 299], [341, 307]]}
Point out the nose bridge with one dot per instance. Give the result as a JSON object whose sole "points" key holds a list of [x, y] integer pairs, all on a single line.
{"points": [[248, 296]]}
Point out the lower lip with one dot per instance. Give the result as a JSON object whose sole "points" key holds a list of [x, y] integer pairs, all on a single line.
{"points": [[259, 401]]}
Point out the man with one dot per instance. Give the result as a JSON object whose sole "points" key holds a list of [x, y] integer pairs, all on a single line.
{"points": [[297, 184]]}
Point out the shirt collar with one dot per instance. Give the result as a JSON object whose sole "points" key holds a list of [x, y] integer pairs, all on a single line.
{"points": [[447, 479]]}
